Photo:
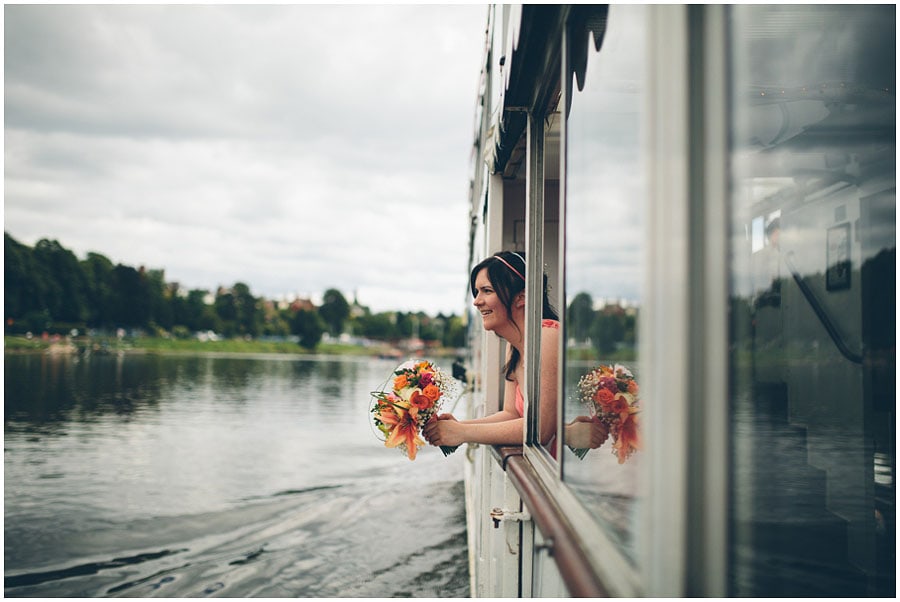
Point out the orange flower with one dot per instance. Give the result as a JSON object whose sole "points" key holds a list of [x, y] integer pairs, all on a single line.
{"points": [[404, 429], [400, 382], [420, 400], [628, 436], [619, 405], [633, 387], [605, 398], [431, 392]]}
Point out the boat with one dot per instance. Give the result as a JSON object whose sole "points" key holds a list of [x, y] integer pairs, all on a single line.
{"points": [[711, 191]]}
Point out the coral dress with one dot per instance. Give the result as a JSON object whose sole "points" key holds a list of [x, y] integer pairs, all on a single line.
{"points": [[520, 399]]}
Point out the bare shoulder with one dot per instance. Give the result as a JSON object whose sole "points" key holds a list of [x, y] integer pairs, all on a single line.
{"points": [[550, 329]]}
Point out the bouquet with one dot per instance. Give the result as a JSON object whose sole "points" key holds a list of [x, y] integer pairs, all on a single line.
{"points": [[610, 394], [418, 390]]}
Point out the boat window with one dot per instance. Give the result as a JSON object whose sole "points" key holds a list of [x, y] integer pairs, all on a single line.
{"points": [[550, 229], [603, 265], [812, 123]]}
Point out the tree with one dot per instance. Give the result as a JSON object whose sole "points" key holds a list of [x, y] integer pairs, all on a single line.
{"points": [[455, 332], [309, 326], [22, 291], [67, 301], [98, 272], [405, 325], [334, 311], [430, 329], [159, 299], [247, 310], [607, 330], [580, 316], [378, 326], [131, 302], [192, 312], [277, 324], [238, 310]]}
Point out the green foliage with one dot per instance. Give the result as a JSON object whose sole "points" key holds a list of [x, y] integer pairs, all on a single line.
{"points": [[334, 311], [47, 289], [24, 287], [64, 281], [101, 292], [276, 325], [309, 326], [607, 330], [455, 333], [581, 316], [131, 306], [238, 311], [610, 330]]}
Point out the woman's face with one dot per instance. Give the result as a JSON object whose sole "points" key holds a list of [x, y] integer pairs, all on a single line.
{"points": [[493, 314]]}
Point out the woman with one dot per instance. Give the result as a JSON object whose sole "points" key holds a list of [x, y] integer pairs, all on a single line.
{"points": [[498, 288]]}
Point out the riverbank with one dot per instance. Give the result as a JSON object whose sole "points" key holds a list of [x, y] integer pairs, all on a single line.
{"points": [[81, 345]]}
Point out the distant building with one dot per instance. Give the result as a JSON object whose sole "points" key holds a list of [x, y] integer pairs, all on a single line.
{"points": [[301, 303]]}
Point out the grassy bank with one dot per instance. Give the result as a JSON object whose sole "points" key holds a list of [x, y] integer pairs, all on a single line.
{"points": [[18, 344]]}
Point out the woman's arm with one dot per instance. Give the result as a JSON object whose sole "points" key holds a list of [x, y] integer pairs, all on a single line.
{"points": [[494, 429], [506, 427], [508, 412], [452, 432]]}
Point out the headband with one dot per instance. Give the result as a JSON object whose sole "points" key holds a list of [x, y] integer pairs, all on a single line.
{"points": [[506, 263]]}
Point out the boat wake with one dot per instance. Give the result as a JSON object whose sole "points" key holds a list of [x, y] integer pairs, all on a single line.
{"points": [[347, 540]]}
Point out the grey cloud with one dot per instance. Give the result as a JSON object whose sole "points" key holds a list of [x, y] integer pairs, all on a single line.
{"points": [[293, 148]]}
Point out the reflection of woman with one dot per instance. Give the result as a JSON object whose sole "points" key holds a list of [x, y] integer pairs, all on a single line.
{"points": [[586, 432], [498, 286]]}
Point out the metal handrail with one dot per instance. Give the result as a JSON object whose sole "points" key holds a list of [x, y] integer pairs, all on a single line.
{"points": [[821, 313], [562, 539]]}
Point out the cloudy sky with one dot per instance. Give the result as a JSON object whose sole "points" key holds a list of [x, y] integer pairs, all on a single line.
{"points": [[293, 148]]}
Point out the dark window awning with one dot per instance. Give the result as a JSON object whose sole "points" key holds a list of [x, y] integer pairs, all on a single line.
{"points": [[531, 71]]}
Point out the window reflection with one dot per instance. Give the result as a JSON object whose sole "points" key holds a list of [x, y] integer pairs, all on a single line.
{"points": [[813, 300], [603, 267]]}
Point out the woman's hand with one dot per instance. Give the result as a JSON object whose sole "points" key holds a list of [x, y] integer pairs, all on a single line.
{"points": [[586, 433], [444, 430]]}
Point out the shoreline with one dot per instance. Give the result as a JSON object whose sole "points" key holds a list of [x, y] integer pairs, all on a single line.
{"points": [[85, 346]]}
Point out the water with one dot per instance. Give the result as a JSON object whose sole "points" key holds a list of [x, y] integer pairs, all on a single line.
{"points": [[230, 476]]}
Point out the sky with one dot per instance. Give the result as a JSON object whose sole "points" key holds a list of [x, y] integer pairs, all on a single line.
{"points": [[294, 148]]}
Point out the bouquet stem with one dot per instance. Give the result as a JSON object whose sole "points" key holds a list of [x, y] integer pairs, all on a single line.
{"points": [[447, 449], [580, 452]]}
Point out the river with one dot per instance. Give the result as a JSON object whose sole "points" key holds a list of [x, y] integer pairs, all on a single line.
{"points": [[227, 476]]}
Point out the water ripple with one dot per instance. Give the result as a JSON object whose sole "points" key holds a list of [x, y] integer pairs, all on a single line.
{"points": [[91, 568]]}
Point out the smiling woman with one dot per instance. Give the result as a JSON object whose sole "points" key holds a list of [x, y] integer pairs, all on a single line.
{"points": [[498, 288]]}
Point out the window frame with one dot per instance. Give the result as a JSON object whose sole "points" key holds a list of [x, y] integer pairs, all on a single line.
{"points": [[682, 340]]}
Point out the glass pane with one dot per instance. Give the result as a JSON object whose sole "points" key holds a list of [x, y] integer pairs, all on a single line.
{"points": [[550, 238], [603, 266], [813, 304]]}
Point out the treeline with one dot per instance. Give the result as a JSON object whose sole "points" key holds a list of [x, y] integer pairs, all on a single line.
{"points": [[48, 289], [607, 330]]}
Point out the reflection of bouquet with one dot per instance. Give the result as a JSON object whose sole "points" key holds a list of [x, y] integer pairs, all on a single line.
{"points": [[610, 393], [416, 394]]}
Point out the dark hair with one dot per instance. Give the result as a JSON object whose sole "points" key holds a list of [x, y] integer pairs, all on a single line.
{"points": [[508, 280]]}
